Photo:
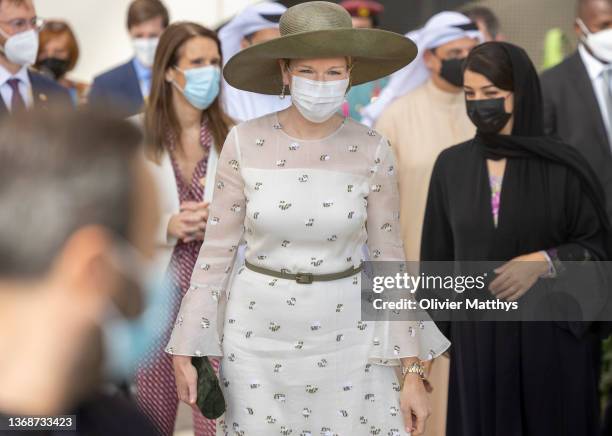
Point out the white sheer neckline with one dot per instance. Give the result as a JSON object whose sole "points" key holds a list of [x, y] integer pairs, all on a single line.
{"points": [[279, 127]]}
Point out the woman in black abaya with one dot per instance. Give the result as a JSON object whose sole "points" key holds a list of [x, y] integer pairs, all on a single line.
{"points": [[511, 194]]}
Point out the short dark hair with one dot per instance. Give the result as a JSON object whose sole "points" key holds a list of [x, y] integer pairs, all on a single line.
{"points": [[145, 10], [60, 172], [492, 61], [476, 12]]}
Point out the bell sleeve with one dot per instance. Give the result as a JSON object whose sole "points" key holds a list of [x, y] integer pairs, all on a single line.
{"points": [[198, 330], [394, 339]]}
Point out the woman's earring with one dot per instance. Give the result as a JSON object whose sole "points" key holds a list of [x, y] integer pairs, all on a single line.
{"points": [[282, 94]]}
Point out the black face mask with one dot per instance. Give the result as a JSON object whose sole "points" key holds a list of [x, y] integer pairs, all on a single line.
{"points": [[452, 71], [489, 115], [54, 67]]}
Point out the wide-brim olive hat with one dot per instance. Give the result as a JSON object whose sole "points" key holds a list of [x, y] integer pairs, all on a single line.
{"points": [[319, 29]]}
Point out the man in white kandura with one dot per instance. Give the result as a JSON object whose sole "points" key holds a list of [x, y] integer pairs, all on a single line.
{"points": [[255, 24]]}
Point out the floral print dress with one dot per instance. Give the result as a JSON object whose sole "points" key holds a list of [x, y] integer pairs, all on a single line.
{"points": [[296, 358]]}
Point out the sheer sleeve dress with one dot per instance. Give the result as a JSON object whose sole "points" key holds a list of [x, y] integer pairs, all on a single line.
{"points": [[296, 358]]}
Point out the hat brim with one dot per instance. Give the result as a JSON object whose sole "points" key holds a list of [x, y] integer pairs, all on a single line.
{"points": [[375, 53]]}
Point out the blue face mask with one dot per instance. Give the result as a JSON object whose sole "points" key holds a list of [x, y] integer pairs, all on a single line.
{"points": [[201, 85], [127, 341]]}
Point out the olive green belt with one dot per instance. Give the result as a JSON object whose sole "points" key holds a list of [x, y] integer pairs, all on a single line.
{"points": [[304, 278]]}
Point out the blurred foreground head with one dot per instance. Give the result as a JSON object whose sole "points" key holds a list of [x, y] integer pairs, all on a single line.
{"points": [[77, 212]]}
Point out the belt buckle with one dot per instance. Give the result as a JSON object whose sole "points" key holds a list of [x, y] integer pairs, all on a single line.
{"points": [[304, 278]]}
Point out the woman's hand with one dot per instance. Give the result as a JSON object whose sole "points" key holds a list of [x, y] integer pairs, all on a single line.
{"points": [[414, 404], [186, 378], [190, 223], [516, 277]]}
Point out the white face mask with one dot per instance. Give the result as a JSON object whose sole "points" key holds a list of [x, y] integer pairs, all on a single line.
{"points": [[600, 42], [144, 49], [21, 48], [318, 101]]}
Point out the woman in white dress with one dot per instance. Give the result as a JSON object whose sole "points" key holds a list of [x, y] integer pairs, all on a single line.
{"points": [[305, 189]]}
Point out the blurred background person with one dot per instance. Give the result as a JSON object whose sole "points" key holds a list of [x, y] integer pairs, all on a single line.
{"points": [[514, 196], [185, 128], [485, 19], [429, 117], [414, 75], [58, 54], [578, 92], [255, 24], [72, 293], [124, 89], [365, 15], [21, 88], [578, 103]]}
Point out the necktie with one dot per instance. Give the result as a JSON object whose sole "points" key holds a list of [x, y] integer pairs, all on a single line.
{"points": [[17, 103], [607, 91]]}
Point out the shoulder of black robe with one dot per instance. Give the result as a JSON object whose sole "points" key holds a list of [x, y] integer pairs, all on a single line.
{"points": [[437, 242], [436, 235]]}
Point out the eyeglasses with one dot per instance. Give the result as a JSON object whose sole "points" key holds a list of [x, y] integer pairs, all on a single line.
{"points": [[19, 25]]}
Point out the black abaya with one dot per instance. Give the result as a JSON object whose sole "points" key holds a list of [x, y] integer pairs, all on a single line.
{"points": [[510, 378]]}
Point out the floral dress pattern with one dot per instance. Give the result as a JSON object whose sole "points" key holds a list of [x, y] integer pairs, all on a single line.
{"points": [[296, 358], [496, 185]]}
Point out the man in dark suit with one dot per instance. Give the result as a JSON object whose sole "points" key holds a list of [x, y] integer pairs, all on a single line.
{"points": [[578, 93], [578, 106], [21, 88], [124, 89]]}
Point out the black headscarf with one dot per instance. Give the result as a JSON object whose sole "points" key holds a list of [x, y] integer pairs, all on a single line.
{"points": [[527, 139]]}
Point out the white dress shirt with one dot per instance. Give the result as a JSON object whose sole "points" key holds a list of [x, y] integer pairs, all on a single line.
{"points": [[595, 70], [25, 86]]}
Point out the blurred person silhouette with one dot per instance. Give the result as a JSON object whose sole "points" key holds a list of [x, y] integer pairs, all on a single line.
{"points": [[365, 15], [75, 310], [485, 19], [578, 92], [432, 98], [439, 30], [58, 54], [20, 87], [530, 203], [428, 117], [124, 89], [185, 128], [255, 24]]}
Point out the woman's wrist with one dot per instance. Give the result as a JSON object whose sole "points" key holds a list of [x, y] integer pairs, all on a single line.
{"points": [[411, 377]]}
